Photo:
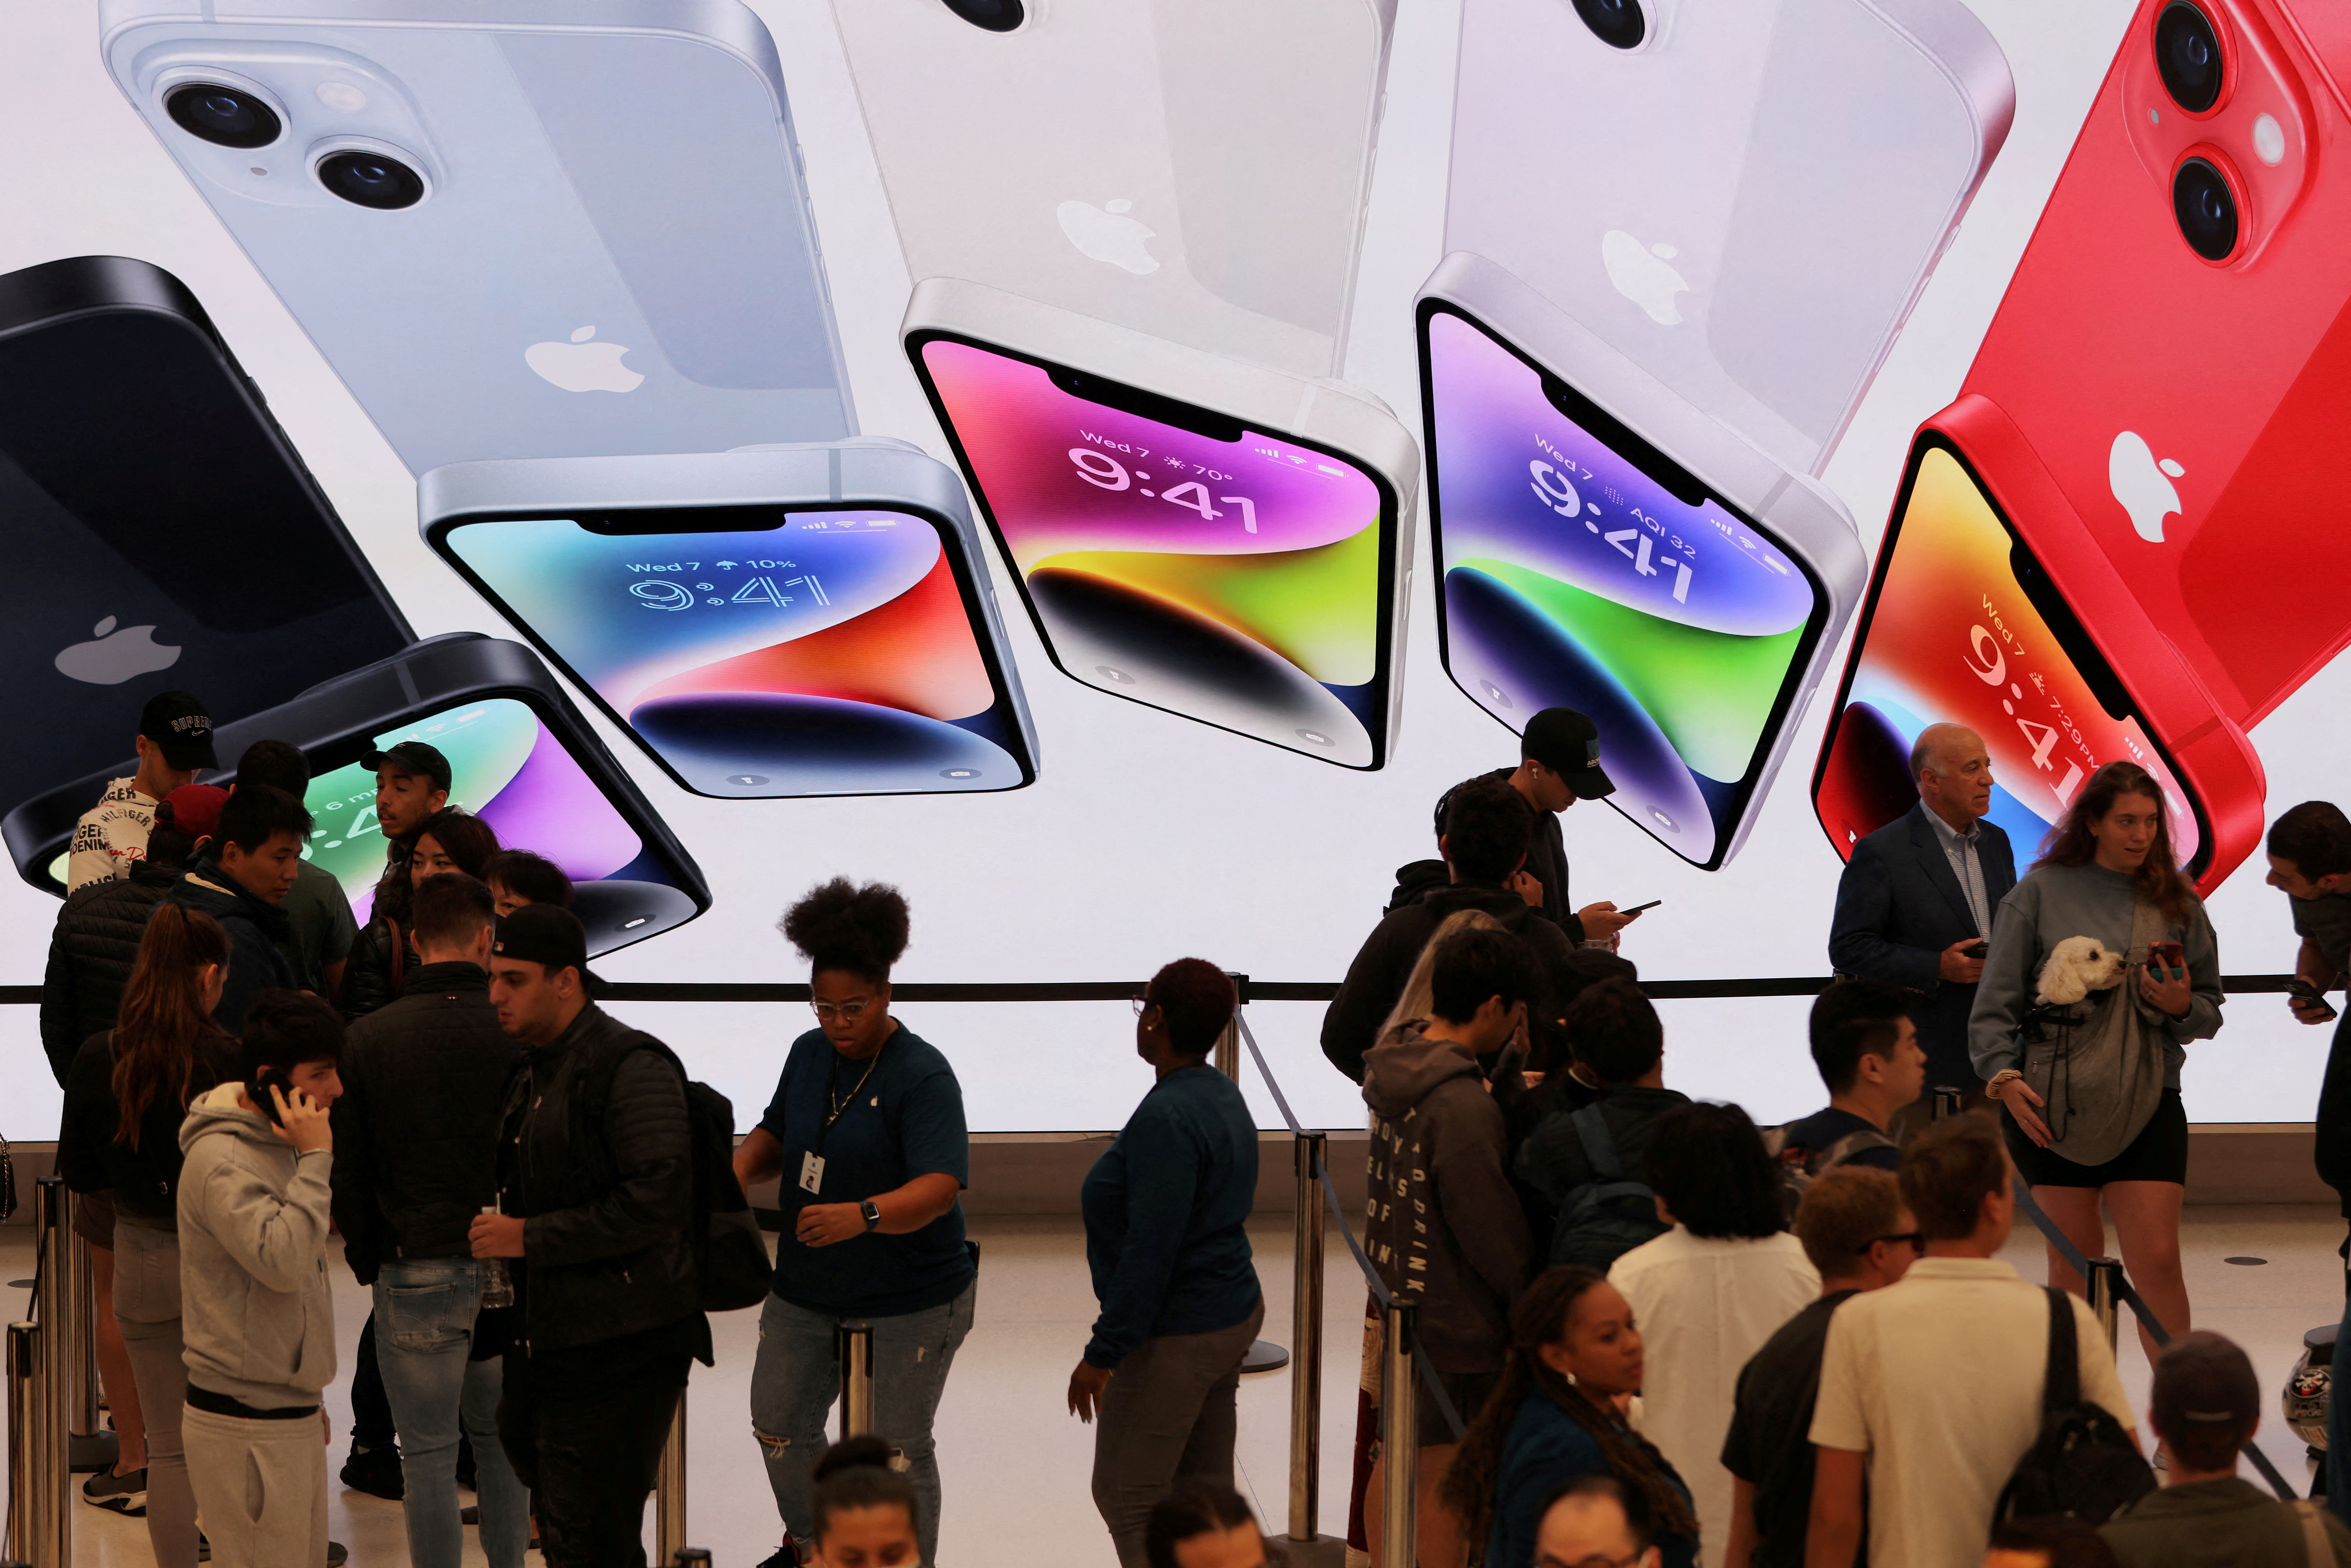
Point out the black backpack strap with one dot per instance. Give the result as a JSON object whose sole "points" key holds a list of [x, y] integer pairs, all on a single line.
{"points": [[1599, 1147], [2061, 1386]]}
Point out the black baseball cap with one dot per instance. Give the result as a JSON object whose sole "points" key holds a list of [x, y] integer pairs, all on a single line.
{"points": [[411, 756], [179, 724], [545, 934], [1567, 743], [2203, 1380]]}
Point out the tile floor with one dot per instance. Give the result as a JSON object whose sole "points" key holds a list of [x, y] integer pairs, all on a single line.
{"points": [[1016, 1465]]}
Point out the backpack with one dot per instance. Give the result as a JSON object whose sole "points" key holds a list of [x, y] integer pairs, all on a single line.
{"points": [[2083, 1465], [1799, 1164], [731, 1267], [1608, 1215]]}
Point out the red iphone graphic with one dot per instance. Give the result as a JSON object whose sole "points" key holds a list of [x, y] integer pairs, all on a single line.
{"points": [[2175, 346], [2030, 637]]}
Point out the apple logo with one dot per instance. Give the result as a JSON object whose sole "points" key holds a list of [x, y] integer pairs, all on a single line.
{"points": [[1107, 234], [1641, 275], [2138, 483], [114, 657], [582, 366]]}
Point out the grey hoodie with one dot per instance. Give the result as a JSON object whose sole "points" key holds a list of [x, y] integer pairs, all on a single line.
{"points": [[1443, 1226], [256, 1312]]}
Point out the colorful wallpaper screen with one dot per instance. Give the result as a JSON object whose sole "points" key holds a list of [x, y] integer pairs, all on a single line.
{"points": [[832, 654], [1235, 583], [1573, 580], [1951, 637]]}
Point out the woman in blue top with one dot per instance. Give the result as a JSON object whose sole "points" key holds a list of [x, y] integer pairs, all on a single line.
{"points": [[1575, 1356], [867, 1131], [1165, 1208]]}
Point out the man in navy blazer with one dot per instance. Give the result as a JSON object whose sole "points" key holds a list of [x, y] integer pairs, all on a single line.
{"points": [[1921, 891]]}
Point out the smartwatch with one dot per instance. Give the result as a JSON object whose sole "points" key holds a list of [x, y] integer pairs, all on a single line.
{"points": [[872, 1212]]}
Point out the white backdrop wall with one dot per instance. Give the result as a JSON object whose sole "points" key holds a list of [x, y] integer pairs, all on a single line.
{"points": [[1147, 837]]}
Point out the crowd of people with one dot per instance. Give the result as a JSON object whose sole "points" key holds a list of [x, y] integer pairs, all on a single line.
{"points": [[1662, 1335]]}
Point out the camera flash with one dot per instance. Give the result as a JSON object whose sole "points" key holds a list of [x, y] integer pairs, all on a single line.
{"points": [[341, 97], [2269, 139]]}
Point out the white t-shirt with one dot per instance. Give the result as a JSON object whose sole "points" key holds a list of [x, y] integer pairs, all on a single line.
{"points": [[1938, 1379], [1703, 1307], [110, 835]]}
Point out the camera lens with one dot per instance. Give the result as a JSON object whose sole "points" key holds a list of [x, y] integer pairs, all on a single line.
{"points": [[224, 116], [1615, 22], [2188, 54], [371, 180], [2206, 208], [990, 16]]}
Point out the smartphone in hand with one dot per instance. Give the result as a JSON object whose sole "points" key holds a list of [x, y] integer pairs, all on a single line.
{"points": [[2171, 956], [2303, 991]]}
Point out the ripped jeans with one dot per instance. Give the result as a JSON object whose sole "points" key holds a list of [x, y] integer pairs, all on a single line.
{"points": [[797, 1379]]}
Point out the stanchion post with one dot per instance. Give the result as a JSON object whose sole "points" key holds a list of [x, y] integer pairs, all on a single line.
{"points": [[1947, 1103], [1228, 1039], [855, 1343], [83, 1284], [53, 1311], [669, 1490], [2105, 1295], [23, 1439], [1399, 1440], [1306, 1335]]}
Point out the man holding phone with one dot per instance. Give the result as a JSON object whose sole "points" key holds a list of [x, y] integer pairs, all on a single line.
{"points": [[2310, 863], [1915, 905], [1559, 764]]}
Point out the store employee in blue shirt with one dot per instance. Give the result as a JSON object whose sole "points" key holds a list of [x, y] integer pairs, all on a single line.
{"points": [[867, 1131], [1165, 1211]]}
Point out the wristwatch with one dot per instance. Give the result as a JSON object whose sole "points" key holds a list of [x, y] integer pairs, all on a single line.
{"points": [[872, 1213]]}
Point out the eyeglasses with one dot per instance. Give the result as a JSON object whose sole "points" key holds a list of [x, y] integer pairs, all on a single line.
{"points": [[1138, 1004], [1916, 1239], [847, 1012]]}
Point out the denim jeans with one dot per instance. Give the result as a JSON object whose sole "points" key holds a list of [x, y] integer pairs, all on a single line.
{"points": [[424, 1312], [797, 1375]]}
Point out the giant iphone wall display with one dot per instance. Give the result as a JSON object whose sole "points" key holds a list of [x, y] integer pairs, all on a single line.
{"points": [[382, 164], [1107, 468], [835, 636], [521, 757], [1223, 542], [161, 528]]}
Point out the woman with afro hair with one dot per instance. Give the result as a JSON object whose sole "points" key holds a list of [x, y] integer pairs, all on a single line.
{"points": [[866, 1131]]}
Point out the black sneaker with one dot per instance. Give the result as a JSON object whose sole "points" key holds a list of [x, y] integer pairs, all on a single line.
{"points": [[375, 1471], [125, 1494]]}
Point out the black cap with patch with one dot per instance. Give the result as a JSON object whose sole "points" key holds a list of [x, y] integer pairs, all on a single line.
{"points": [[410, 756], [1567, 743], [179, 724]]}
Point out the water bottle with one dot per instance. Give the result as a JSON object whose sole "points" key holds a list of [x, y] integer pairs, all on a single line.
{"points": [[498, 1286]]}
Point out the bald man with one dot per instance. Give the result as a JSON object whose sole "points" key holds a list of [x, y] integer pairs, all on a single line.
{"points": [[1918, 897]]}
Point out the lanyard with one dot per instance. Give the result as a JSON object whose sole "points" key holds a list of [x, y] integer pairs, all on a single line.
{"points": [[832, 1095]]}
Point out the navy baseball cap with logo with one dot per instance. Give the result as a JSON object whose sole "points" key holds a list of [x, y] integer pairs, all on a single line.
{"points": [[411, 756], [1567, 743], [182, 727]]}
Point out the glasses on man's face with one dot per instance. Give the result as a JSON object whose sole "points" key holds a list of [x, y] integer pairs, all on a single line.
{"points": [[1138, 1004], [847, 1012], [1916, 1239]]}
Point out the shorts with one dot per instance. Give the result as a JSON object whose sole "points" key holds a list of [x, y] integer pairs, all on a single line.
{"points": [[93, 1218], [2159, 1153]]}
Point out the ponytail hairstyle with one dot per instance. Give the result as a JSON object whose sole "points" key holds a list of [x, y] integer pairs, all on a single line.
{"points": [[858, 931], [1541, 1318], [855, 1473], [162, 1032], [2069, 841]]}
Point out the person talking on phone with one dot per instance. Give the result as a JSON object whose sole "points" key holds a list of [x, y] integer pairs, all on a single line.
{"points": [[2090, 1087], [867, 1130], [1915, 905], [1559, 764]]}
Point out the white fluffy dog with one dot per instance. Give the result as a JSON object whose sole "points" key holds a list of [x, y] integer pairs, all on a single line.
{"points": [[2078, 965]]}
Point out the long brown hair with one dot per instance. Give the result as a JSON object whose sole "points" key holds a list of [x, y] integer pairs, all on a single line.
{"points": [[163, 1032], [1540, 1319], [2069, 841]]}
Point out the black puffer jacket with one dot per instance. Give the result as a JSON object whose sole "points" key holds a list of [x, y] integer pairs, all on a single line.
{"points": [[425, 1083], [256, 939], [1377, 979], [145, 1181], [378, 969], [90, 955], [595, 1153]]}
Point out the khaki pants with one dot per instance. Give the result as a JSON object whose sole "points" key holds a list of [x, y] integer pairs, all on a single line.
{"points": [[261, 1487]]}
